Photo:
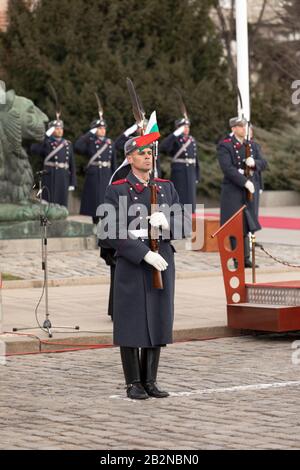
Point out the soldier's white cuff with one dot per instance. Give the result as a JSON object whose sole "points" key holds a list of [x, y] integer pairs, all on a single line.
{"points": [[178, 131], [130, 130], [142, 233], [50, 131]]}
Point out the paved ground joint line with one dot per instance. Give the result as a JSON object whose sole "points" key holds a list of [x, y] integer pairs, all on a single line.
{"points": [[235, 388]]}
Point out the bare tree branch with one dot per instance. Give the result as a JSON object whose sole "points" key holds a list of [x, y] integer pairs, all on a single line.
{"points": [[259, 20], [226, 35]]}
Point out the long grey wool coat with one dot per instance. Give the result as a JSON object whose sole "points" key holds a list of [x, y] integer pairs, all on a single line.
{"points": [[231, 156], [185, 170], [143, 316], [57, 179], [98, 172]]}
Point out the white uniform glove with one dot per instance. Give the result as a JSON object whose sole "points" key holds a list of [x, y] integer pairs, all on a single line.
{"points": [[71, 188], [250, 186], [158, 219], [178, 131], [93, 131], [50, 131], [130, 130], [250, 162], [156, 260]]}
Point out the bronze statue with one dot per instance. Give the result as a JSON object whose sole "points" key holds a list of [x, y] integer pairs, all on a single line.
{"points": [[20, 121]]}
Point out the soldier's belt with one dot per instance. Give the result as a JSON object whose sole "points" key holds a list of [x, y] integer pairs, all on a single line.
{"points": [[142, 233], [101, 164], [190, 161], [58, 165]]}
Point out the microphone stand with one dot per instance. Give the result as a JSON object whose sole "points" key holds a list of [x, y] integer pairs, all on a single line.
{"points": [[44, 222]]}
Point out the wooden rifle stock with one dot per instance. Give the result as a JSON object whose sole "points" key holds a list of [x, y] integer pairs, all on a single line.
{"points": [[157, 281]]}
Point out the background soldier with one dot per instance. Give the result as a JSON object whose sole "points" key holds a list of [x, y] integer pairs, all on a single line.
{"points": [[59, 164], [127, 135], [143, 315], [101, 164], [233, 162], [185, 170]]}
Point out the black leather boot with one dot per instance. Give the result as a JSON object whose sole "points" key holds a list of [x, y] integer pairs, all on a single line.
{"points": [[131, 368], [248, 262], [149, 365]]}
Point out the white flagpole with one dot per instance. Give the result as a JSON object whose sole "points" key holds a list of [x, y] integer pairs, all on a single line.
{"points": [[243, 56]]}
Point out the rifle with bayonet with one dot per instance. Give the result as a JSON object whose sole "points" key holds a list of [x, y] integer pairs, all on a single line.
{"points": [[247, 146], [181, 104], [56, 101], [139, 116], [247, 155], [100, 108]]}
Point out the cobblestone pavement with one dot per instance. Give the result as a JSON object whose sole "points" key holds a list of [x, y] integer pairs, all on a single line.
{"points": [[233, 393], [88, 263]]}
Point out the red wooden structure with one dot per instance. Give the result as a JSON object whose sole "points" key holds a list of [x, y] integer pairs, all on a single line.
{"points": [[272, 306]]}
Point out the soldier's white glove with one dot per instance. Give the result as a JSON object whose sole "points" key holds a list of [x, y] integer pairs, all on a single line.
{"points": [[130, 130], [93, 131], [156, 260], [50, 131], [250, 186], [158, 219], [178, 131], [250, 162], [71, 188]]}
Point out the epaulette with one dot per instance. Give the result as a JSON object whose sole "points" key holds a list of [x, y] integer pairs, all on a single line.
{"points": [[162, 180], [225, 141], [124, 180]]}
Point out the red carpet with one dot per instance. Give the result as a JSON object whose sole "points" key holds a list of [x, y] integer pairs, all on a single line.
{"points": [[287, 223]]}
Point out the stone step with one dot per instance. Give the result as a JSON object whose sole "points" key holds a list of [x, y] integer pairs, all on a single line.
{"points": [[31, 245]]}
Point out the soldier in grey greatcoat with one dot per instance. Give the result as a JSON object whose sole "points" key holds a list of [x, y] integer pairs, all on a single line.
{"points": [[59, 164], [101, 163], [233, 162], [143, 315], [185, 169]]}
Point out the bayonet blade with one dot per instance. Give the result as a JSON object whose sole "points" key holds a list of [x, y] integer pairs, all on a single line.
{"points": [[136, 107]]}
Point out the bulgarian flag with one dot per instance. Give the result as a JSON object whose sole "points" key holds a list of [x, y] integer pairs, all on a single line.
{"points": [[151, 133]]}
